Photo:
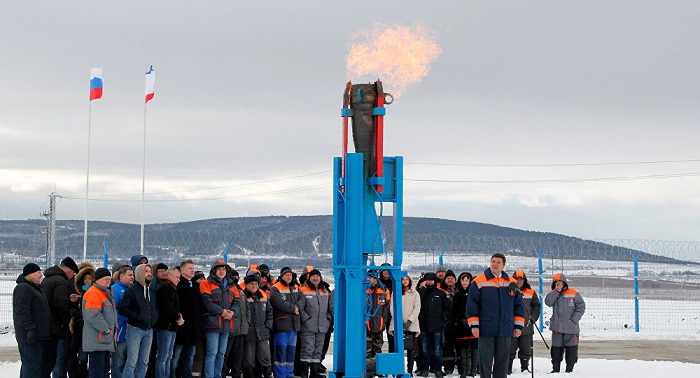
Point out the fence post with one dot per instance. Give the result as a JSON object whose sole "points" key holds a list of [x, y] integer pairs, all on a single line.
{"points": [[440, 255], [636, 288], [105, 246], [225, 247], [539, 266]]}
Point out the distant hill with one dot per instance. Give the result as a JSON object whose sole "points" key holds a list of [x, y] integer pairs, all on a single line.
{"points": [[294, 237]]}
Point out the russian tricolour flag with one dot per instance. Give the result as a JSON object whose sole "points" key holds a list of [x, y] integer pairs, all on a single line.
{"points": [[95, 83], [150, 84]]}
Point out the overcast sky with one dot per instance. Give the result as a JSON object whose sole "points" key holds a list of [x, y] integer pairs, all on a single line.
{"points": [[523, 117]]}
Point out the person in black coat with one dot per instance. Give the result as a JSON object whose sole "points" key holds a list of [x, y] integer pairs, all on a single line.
{"points": [[191, 309], [32, 320], [139, 306], [434, 312], [169, 319], [60, 293], [466, 342]]}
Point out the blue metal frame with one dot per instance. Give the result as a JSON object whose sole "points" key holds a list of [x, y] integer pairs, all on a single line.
{"points": [[541, 293], [356, 238], [105, 247], [636, 257]]}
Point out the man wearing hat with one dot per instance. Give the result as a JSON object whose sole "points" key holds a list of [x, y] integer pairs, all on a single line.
{"points": [[379, 306], [59, 290], [532, 307], [266, 280], [316, 318], [567, 309], [221, 302], [449, 341], [434, 311], [32, 320], [286, 299], [256, 350], [100, 325]]}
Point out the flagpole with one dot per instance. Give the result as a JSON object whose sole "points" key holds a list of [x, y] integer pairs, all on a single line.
{"points": [[87, 185], [143, 177]]}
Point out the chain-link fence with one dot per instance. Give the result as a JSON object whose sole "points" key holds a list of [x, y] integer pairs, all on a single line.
{"points": [[660, 295]]}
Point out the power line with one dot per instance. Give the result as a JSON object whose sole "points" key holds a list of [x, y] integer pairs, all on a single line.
{"points": [[259, 194], [218, 187], [560, 164], [617, 178]]}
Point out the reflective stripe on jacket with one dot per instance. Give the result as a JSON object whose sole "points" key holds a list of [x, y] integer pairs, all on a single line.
{"points": [[568, 308], [99, 317], [260, 315], [532, 306], [492, 306], [217, 298], [317, 312], [284, 299], [378, 303]]}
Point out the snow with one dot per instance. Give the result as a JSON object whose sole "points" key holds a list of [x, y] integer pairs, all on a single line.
{"points": [[585, 368]]}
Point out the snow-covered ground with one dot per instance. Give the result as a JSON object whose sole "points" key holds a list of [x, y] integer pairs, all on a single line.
{"points": [[585, 368]]}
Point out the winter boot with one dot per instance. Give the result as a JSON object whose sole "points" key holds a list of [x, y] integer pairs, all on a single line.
{"points": [[410, 362], [438, 373], [322, 368], [524, 365], [557, 354], [304, 369], [510, 366], [83, 370], [247, 372], [316, 370], [267, 371], [371, 367], [465, 359], [475, 363], [571, 357]]}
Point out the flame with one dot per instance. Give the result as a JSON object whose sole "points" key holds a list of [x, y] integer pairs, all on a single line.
{"points": [[398, 55]]}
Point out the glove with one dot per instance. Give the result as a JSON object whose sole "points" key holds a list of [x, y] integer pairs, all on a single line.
{"points": [[31, 338], [407, 324]]}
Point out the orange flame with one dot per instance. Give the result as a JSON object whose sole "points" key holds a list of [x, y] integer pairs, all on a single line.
{"points": [[397, 55]]}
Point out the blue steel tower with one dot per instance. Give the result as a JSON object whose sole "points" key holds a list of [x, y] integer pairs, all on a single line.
{"points": [[362, 183]]}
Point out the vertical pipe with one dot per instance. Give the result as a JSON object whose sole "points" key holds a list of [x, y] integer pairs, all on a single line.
{"points": [[357, 205], [379, 146]]}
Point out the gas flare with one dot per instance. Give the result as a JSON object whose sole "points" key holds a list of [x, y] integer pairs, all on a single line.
{"points": [[398, 55]]}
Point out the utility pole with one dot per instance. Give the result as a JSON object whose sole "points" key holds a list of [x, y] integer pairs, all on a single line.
{"points": [[50, 215]]}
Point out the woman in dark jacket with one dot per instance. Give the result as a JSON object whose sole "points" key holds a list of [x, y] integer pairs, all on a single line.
{"points": [[83, 281], [466, 342]]}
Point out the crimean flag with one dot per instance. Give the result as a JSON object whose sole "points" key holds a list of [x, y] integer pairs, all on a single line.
{"points": [[150, 84], [95, 83]]}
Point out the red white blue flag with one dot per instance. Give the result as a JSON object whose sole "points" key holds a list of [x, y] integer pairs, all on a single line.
{"points": [[150, 84], [95, 83]]}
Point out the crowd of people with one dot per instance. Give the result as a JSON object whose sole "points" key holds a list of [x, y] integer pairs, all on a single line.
{"points": [[143, 320]]}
